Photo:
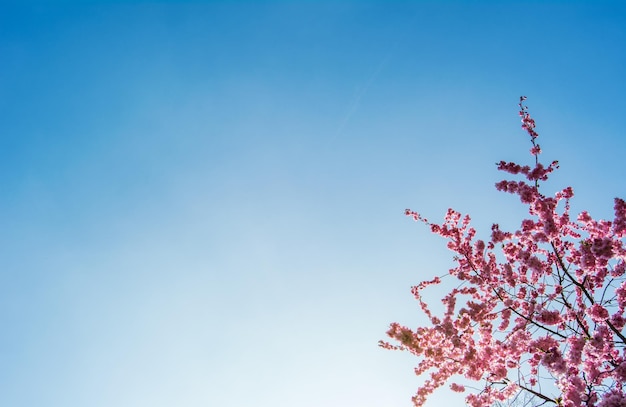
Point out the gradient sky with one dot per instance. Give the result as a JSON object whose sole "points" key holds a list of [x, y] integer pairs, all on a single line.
{"points": [[201, 204]]}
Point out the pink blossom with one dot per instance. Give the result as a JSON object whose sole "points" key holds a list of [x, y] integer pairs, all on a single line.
{"points": [[497, 235], [546, 299], [457, 388], [549, 317], [554, 362], [536, 150], [615, 398], [602, 247], [598, 313], [619, 224]]}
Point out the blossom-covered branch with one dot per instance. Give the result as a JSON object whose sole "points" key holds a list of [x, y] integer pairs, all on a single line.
{"points": [[546, 299]]}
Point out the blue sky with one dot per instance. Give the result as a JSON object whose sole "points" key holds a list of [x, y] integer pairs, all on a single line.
{"points": [[201, 204]]}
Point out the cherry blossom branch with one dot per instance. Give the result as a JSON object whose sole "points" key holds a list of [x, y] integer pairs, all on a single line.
{"points": [[516, 312], [547, 286], [587, 294]]}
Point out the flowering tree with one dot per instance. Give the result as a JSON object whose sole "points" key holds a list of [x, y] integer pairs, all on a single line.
{"points": [[544, 305]]}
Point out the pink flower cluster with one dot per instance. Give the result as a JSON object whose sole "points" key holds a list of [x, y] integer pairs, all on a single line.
{"points": [[546, 300]]}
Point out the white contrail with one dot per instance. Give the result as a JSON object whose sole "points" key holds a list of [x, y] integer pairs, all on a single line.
{"points": [[360, 92]]}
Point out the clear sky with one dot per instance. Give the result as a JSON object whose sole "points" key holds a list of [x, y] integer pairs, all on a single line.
{"points": [[201, 204]]}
